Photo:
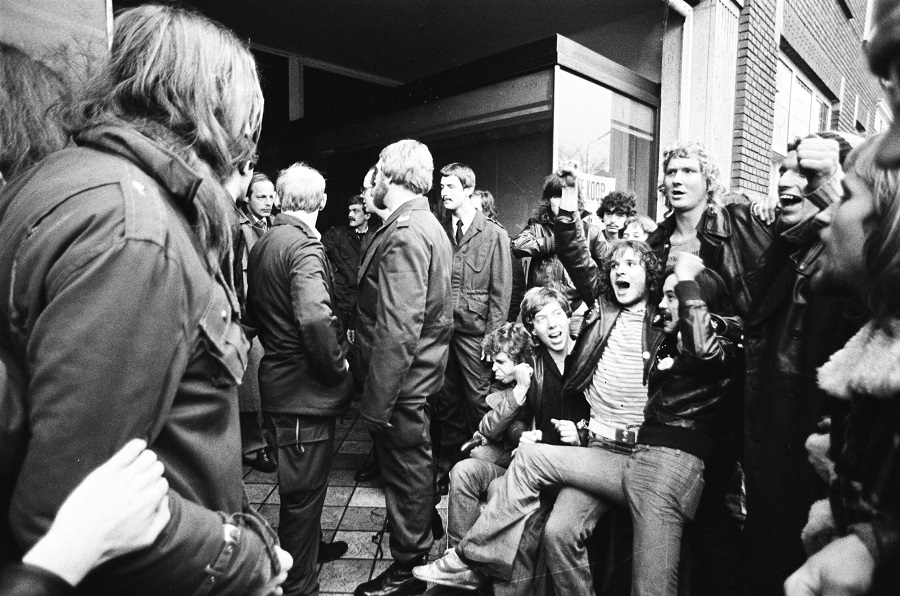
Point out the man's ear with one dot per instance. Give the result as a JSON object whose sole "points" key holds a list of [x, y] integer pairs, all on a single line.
{"points": [[468, 191]]}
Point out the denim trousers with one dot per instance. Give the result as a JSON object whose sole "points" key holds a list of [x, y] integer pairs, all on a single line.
{"points": [[661, 486]]}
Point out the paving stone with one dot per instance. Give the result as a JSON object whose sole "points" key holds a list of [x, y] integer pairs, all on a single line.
{"points": [[367, 497], [270, 513], [360, 544], [338, 495], [364, 518], [257, 493], [331, 517], [343, 575]]}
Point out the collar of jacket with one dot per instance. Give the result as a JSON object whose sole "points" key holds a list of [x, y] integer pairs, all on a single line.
{"points": [[477, 225], [869, 364], [803, 233], [598, 324], [182, 181], [713, 223], [283, 219], [419, 203]]}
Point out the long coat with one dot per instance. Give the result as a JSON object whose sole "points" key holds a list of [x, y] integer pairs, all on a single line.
{"points": [[404, 312]]}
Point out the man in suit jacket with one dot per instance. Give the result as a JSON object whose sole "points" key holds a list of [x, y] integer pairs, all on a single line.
{"points": [[481, 278], [403, 325], [304, 379]]}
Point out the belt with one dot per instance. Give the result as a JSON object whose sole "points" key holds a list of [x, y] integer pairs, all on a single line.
{"points": [[609, 432]]}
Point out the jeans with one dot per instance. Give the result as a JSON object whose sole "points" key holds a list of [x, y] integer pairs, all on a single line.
{"points": [[469, 482], [661, 486]]}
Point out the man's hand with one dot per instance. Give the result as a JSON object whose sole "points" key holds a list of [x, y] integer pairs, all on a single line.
{"points": [[523, 373], [687, 266], [568, 432], [531, 436], [286, 562], [817, 446], [819, 160], [843, 568], [766, 209]]}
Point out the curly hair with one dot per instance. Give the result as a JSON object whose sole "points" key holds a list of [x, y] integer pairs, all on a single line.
{"points": [[511, 338], [709, 169], [618, 202], [645, 256]]}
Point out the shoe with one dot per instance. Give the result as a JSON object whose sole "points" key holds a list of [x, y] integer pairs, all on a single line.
{"points": [[437, 525], [367, 473], [264, 462], [450, 570], [393, 581], [330, 551], [444, 484]]}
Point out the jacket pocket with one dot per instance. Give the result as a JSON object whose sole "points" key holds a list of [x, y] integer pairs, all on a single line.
{"points": [[225, 340], [477, 258], [478, 305]]}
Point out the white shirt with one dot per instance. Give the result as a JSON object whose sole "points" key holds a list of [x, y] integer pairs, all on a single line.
{"points": [[466, 222]]}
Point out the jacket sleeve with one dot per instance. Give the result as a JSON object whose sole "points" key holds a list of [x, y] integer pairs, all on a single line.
{"points": [[530, 244], [319, 328], [106, 354], [501, 282], [573, 253], [699, 339], [402, 293], [498, 419]]}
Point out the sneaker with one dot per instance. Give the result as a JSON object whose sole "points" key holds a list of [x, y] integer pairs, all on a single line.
{"points": [[450, 570]]}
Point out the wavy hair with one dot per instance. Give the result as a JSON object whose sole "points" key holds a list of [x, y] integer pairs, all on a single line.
{"points": [[32, 98], [189, 84], [880, 249], [537, 298], [301, 188], [511, 338], [646, 257], [488, 205], [709, 168]]}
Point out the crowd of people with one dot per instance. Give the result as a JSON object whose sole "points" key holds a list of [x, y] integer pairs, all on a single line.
{"points": [[723, 384]]}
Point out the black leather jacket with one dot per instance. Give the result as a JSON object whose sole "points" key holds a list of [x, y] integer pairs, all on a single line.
{"points": [[688, 395], [537, 241], [731, 244]]}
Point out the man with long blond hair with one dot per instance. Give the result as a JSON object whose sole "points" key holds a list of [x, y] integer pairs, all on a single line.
{"points": [[114, 267]]}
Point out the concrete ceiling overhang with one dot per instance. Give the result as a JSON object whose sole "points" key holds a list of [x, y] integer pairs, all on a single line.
{"points": [[398, 41]]}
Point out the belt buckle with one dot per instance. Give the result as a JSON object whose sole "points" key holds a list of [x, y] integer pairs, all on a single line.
{"points": [[629, 437]]}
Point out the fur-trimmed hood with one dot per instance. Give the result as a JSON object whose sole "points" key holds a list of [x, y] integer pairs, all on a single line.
{"points": [[868, 364]]}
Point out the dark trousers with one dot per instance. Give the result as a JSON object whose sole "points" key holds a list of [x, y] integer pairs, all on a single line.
{"points": [[404, 456], [462, 402], [251, 432], [305, 453]]}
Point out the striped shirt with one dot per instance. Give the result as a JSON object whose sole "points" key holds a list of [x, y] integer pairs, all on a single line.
{"points": [[617, 394]]}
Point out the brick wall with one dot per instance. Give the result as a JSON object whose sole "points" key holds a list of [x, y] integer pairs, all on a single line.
{"points": [[754, 98], [821, 41]]}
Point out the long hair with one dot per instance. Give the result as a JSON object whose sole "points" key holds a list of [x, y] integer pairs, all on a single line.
{"points": [[511, 338], [32, 97], [189, 84], [647, 259], [882, 229]]}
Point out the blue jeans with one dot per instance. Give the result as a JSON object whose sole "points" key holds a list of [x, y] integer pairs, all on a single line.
{"points": [[661, 486]]}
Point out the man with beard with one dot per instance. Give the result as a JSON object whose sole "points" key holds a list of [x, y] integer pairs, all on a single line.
{"points": [[789, 333], [404, 321]]}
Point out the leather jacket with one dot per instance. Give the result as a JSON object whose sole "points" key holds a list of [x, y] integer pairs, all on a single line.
{"points": [[537, 241], [731, 244], [691, 393]]}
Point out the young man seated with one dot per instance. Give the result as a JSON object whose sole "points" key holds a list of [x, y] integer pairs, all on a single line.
{"points": [[646, 454], [525, 406]]}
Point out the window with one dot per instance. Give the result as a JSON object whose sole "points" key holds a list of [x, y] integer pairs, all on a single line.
{"points": [[799, 107], [882, 117]]}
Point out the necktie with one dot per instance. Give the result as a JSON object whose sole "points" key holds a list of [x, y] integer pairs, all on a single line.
{"points": [[459, 233]]}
